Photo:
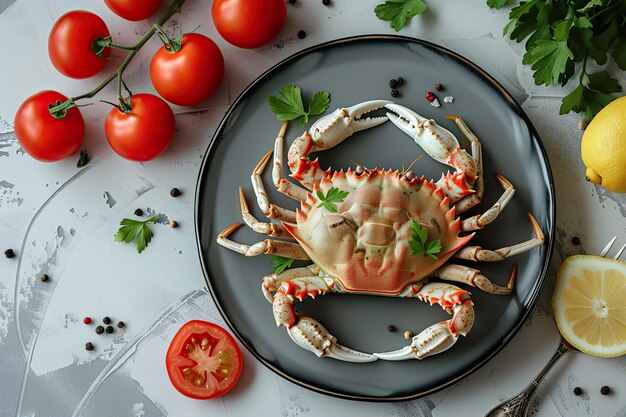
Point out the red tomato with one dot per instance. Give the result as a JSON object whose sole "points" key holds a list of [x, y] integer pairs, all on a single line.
{"points": [[41, 135], [249, 23], [70, 44], [143, 133], [134, 9], [203, 360], [190, 75]]}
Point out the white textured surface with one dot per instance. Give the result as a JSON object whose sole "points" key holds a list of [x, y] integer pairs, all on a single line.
{"points": [[60, 221]]}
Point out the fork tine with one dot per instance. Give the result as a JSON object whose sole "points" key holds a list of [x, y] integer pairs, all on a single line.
{"points": [[607, 247], [619, 252]]}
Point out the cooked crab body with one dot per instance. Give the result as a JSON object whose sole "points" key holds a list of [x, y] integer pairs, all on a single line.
{"points": [[364, 245]]}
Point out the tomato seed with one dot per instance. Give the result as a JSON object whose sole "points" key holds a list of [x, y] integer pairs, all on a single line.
{"points": [[87, 320], [187, 371], [9, 253], [204, 344], [189, 347]]}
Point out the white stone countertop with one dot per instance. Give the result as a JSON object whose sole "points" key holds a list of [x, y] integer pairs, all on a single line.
{"points": [[60, 221]]}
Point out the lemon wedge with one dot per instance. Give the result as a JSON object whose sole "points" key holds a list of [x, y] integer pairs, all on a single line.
{"points": [[589, 304]]}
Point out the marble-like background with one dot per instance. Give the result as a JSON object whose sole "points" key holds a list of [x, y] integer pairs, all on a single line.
{"points": [[60, 221]]}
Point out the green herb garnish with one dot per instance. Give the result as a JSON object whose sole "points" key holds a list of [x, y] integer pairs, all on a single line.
{"points": [[280, 263], [332, 197], [136, 230], [83, 159], [560, 34], [399, 11], [418, 242], [289, 105]]}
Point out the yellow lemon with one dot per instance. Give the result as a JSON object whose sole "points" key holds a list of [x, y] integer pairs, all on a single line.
{"points": [[589, 304], [603, 147]]}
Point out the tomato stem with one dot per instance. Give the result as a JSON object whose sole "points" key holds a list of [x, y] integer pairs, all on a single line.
{"points": [[58, 111]]}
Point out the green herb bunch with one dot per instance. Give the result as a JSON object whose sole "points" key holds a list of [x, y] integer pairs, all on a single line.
{"points": [[561, 33]]}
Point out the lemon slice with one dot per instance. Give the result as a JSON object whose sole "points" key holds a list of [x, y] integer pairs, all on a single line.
{"points": [[589, 304]]}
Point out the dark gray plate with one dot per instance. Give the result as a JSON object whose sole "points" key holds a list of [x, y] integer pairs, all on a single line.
{"points": [[355, 70]]}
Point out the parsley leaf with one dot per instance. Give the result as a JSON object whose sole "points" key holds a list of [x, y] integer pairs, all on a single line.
{"points": [[136, 230], [418, 245], [289, 105], [332, 197], [280, 263], [83, 159], [593, 93], [497, 3], [399, 11], [548, 58]]}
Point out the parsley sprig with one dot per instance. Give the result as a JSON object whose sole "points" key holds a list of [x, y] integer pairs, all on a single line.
{"points": [[332, 197], [289, 105], [399, 11], [83, 159], [560, 34], [418, 242], [136, 230], [280, 263]]}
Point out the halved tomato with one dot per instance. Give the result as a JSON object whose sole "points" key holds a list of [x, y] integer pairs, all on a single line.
{"points": [[203, 360]]}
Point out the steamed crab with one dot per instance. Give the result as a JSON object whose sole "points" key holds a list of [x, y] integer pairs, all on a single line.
{"points": [[360, 240]]}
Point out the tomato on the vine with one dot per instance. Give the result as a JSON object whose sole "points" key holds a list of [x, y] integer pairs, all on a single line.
{"points": [[249, 23], [43, 136], [133, 9], [203, 360], [190, 75], [144, 132], [71, 44]]}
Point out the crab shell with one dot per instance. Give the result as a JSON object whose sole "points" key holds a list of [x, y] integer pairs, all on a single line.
{"points": [[365, 244]]}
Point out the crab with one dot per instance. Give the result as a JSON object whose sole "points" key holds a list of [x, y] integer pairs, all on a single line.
{"points": [[360, 241]]}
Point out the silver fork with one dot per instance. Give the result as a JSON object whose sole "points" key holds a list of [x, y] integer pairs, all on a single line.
{"points": [[517, 406]]}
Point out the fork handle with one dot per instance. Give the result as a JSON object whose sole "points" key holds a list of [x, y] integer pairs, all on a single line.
{"points": [[517, 405]]}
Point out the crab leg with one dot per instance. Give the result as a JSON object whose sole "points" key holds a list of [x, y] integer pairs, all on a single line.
{"points": [[272, 282], [476, 253], [440, 336], [441, 145], [270, 210], [281, 184], [265, 247], [303, 330], [270, 229], [481, 220], [469, 201], [473, 277]]}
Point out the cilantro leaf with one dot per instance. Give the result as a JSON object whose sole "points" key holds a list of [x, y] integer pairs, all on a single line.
{"points": [[418, 245], [332, 197], [280, 263], [497, 3], [289, 105], [399, 11], [83, 159], [136, 230]]}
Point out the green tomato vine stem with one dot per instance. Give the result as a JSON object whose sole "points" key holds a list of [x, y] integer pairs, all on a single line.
{"points": [[59, 110]]}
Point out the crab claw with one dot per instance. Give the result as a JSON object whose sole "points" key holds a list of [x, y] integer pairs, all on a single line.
{"points": [[433, 340], [343, 353], [436, 141]]}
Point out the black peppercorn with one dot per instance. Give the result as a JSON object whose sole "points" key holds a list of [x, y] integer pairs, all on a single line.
{"points": [[109, 329], [605, 390], [578, 391], [106, 320], [391, 328], [394, 92], [438, 87], [393, 83], [88, 346], [99, 329], [292, 1], [121, 324], [139, 212], [301, 34], [400, 80], [325, 2], [44, 277], [9, 253], [174, 192], [576, 240]]}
